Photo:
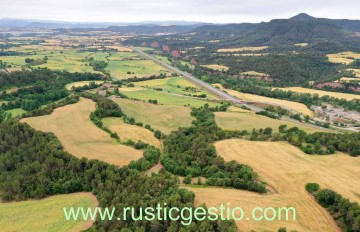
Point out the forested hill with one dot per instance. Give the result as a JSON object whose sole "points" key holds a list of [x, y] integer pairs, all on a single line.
{"points": [[298, 29]]}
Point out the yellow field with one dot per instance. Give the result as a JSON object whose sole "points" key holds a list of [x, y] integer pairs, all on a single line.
{"points": [[348, 79], [299, 107], [301, 44], [254, 73], [356, 71], [343, 57], [241, 49], [120, 48], [80, 84], [165, 118], [127, 131], [216, 67], [250, 120], [46, 214], [321, 93], [287, 169], [80, 137]]}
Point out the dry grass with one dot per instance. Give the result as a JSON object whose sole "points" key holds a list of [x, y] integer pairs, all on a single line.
{"points": [[165, 118], [46, 214], [80, 84], [343, 57], [216, 67], [299, 107], [356, 71], [120, 48], [127, 131], [249, 120], [241, 49], [80, 137], [254, 73], [348, 79], [321, 93], [287, 170]]}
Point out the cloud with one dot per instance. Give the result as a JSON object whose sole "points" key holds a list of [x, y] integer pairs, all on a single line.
{"points": [[223, 11]]}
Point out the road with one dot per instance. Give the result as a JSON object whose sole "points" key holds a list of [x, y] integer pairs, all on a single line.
{"points": [[220, 93]]}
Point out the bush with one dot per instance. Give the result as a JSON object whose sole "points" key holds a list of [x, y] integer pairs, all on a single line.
{"points": [[312, 187]]}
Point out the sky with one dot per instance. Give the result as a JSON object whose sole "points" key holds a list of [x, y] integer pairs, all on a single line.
{"points": [[214, 11]]}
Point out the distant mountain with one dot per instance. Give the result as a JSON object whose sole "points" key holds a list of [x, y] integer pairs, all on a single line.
{"points": [[33, 23], [298, 29]]}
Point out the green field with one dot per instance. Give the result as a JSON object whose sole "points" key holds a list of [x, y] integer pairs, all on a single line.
{"points": [[124, 69], [164, 98], [175, 85], [46, 214], [248, 121], [165, 118], [16, 112]]}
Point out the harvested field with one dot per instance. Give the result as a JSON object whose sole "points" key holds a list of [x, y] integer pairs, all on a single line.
{"points": [[299, 107], [321, 93], [287, 169], [216, 67], [46, 214], [242, 49], [80, 84], [254, 73], [132, 132], [343, 57], [80, 137], [249, 120]]}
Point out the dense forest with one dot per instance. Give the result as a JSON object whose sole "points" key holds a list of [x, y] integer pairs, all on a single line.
{"points": [[34, 165], [190, 152]]}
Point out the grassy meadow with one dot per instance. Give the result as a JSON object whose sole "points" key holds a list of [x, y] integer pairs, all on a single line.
{"points": [[165, 118], [163, 98]]}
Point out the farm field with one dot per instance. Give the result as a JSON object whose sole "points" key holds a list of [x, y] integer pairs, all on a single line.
{"points": [[254, 73], [165, 118], [124, 69], [163, 97], [216, 67], [46, 214], [58, 58], [348, 79], [287, 169], [249, 121], [241, 49], [132, 132], [80, 137], [321, 93], [80, 84], [343, 57], [299, 107], [174, 85], [356, 71]]}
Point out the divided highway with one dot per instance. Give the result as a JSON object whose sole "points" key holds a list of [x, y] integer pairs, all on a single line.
{"points": [[219, 92]]}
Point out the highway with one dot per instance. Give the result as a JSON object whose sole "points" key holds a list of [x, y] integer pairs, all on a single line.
{"points": [[221, 94]]}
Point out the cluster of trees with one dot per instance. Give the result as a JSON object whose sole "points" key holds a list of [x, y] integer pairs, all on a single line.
{"points": [[38, 87], [34, 165], [190, 152], [316, 143], [31, 61], [99, 65], [345, 213]]}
